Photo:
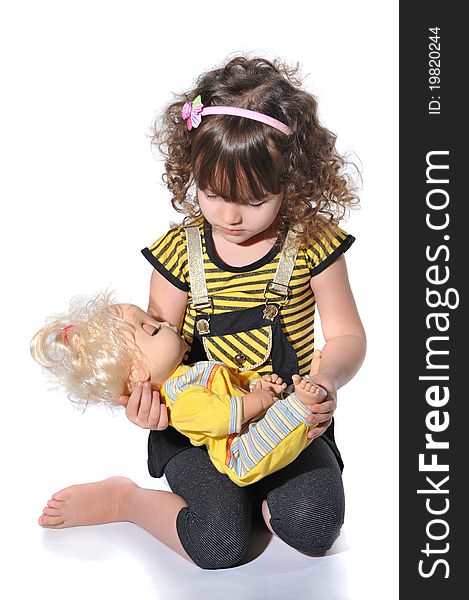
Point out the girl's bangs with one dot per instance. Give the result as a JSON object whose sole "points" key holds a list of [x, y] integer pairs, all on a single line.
{"points": [[237, 168]]}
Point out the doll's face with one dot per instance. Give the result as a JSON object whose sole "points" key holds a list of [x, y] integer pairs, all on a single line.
{"points": [[238, 223], [158, 341]]}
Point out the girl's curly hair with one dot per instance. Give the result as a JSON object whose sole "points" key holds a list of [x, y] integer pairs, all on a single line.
{"points": [[240, 159]]}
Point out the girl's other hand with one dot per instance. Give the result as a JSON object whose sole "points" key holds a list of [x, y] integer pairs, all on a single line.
{"points": [[323, 411], [144, 408]]}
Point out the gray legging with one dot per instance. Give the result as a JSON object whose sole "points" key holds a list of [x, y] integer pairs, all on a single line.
{"points": [[305, 500]]}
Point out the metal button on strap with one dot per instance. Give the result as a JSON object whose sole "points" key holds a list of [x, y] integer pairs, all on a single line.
{"points": [[270, 312], [240, 359], [203, 326]]}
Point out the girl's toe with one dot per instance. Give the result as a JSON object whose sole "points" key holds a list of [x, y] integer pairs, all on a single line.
{"points": [[48, 521]]}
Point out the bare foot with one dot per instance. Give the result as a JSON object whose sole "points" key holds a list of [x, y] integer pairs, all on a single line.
{"points": [[86, 504], [309, 393], [272, 383]]}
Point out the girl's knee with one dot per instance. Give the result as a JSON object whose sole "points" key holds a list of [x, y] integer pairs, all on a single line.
{"points": [[307, 527], [209, 543]]}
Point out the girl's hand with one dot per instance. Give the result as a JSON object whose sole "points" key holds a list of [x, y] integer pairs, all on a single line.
{"points": [[143, 407], [323, 411]]}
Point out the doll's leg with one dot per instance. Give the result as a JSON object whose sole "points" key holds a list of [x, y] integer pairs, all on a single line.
{"points": [[305, 502], [113, 500], [215, 526]]}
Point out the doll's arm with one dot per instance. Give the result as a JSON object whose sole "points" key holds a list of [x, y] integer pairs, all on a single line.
{"points": [[256, 402], [201, 414]]}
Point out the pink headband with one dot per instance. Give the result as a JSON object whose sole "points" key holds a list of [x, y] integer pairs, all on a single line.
{"points": [[193, 113]]}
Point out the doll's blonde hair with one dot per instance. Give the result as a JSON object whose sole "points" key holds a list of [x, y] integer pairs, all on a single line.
{"points": [[89, 350]]}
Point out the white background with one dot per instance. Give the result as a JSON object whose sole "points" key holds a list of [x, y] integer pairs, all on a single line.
{"points": [[81, 194]]}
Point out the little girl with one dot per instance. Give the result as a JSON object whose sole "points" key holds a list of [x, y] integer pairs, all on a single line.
{"points": [[263, 189], [99, 350]]}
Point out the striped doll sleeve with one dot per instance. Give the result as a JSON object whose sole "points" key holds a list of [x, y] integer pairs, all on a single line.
{"points": [[168, 256], [331, 243]]}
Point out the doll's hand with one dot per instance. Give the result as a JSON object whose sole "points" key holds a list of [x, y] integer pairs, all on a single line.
{"points": [[262, 398], [322, 411], [256, 402], [271, 383], [143, 407]]}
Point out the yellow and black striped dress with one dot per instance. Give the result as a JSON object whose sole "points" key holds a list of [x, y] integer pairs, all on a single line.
{"points": [[237, 288]]}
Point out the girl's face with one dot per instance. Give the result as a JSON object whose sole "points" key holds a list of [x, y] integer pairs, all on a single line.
{"points": [[158, 341], [238, 223]]}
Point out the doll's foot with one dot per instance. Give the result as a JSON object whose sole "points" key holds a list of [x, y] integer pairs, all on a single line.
{"points": [[86, 504], [272, 383], [309, 393]]}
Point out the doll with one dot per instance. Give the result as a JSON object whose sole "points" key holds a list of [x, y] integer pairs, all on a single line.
{"points": [[248, 424]]}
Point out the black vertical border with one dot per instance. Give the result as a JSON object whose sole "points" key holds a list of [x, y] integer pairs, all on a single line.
{"points": [[443, 567]]}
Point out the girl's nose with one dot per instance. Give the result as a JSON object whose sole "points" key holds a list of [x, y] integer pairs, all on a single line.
{"points": [[231, 214]]}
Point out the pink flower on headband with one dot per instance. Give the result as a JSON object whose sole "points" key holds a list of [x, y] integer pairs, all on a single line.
{"points": [[191, 113]]}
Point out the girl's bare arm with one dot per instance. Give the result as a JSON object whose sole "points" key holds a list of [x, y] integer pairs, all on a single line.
{"points": [[345, 346], [167, 302]]}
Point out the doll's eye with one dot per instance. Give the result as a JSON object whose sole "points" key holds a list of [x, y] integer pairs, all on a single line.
{"points": [[149, 328]]}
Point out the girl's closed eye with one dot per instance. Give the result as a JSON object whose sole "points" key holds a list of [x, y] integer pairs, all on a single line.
{"points": [[211, 195], [156, 330]]}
